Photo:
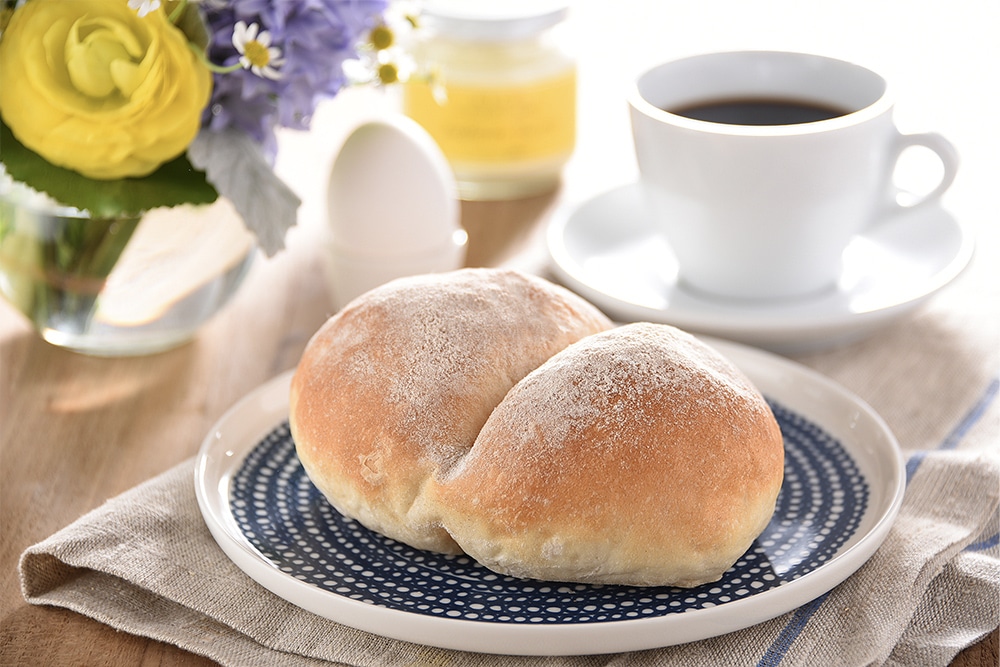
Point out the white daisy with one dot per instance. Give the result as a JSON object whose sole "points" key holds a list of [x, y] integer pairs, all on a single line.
{"points": [[256, 52], [144, 6]]}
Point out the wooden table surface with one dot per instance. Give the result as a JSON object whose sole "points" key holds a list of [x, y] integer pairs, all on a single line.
{"points": [[76, 430]]}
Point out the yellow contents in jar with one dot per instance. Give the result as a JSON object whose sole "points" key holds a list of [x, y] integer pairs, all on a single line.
{"points": [[500, 123], [497, 92]]}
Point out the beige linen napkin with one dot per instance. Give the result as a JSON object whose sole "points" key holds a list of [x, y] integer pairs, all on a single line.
{"points": [[145, 563]]}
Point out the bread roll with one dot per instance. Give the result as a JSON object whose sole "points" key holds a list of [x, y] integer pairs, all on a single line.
{"points": [[397, 385], [636, 456], [493, 413]]}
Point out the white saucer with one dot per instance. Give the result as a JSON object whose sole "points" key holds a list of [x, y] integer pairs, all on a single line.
{"points": [[607, 251]]}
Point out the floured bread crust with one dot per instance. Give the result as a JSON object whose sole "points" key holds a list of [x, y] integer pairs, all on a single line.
{"points": [[494, 413], [397, 385], [654, 461]]}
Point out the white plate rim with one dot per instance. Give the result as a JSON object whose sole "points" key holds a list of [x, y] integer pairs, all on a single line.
{"points": [[777, 326], [250, 419]]}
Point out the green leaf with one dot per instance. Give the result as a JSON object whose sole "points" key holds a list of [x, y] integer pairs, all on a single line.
{"points": [[175, 182], [193, 26]]}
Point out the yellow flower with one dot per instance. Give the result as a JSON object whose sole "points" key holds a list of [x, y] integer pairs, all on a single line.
{"points": [[92, 87]]}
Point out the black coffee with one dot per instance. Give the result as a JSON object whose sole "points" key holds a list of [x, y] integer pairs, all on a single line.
{"points": [[759, 111]]}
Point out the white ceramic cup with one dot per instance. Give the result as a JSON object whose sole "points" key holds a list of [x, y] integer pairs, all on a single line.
{"points": [[766, 211]]}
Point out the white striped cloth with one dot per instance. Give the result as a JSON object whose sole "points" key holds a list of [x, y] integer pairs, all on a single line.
{"points": [[930, 590]]}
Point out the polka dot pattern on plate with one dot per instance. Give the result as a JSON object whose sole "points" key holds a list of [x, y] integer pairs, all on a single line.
{"points": [[289, 522]]}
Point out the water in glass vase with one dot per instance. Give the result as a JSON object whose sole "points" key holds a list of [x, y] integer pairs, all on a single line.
{"points": [[122, 286]]}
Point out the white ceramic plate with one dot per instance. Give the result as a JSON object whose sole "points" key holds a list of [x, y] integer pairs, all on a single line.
{"points": [[607, 251], [843, 487]]}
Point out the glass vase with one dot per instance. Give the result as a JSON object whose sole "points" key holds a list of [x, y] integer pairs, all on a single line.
{"points": [[118, 286]]}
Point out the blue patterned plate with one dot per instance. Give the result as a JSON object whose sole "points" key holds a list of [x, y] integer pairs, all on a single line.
{"points": [[843, 486]]}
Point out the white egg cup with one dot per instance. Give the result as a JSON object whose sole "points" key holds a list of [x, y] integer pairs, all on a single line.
{"points": [[351, 275], [393, 209]]}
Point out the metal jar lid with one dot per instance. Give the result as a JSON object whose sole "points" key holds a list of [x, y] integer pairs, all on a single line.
{"points": [[492, 21]]}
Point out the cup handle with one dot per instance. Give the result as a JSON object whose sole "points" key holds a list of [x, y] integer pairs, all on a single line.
{"points": [[945, 151]]}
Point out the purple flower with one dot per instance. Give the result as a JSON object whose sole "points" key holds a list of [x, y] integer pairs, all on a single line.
{"points": [[315, 37]]}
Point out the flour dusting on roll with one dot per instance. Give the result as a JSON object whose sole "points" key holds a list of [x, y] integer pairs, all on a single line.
{"points": [[493, 413], [636, 456], [397, 385]]}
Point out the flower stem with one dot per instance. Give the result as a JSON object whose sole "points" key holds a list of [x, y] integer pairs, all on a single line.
{"points": [[178, 11], [212, 67]]}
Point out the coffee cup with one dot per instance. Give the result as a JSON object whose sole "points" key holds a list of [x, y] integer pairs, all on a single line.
{"points": [[760, 167]]}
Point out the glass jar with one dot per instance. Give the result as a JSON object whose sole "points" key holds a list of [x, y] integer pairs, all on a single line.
{"points": [[496, 89]]}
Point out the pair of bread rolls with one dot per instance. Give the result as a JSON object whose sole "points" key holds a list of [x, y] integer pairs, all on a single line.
{"points": [[493, 413]]}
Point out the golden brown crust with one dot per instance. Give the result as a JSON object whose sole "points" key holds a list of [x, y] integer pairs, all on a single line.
{"points": [[655, 462], [495, 413], [397, 385]]}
